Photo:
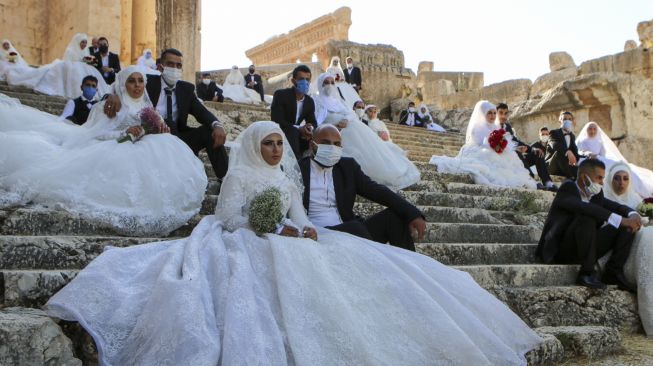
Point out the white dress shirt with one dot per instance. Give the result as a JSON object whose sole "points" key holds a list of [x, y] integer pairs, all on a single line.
{"points": [[568, 140], [300, 106], [161, 106], [410, 120], [69, 109], [322, 205]]}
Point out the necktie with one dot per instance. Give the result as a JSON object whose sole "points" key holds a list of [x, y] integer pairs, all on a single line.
{"points": [[169, 121]]}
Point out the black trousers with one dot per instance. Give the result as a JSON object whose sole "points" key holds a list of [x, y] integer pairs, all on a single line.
{"points": [[200, 138], [531, 159], [584, 244], [383, 227], [559, 165]]}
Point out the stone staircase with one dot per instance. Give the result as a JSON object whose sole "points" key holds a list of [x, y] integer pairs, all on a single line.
{"points": [[488, 232]]}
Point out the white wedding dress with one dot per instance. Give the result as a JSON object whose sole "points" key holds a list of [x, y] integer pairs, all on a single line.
{"points": [[224, 296], [9, 62], [477, 158], [61, 77], [234, 89], [383, 161], [639, 266], [150, 187], [605, 150]]}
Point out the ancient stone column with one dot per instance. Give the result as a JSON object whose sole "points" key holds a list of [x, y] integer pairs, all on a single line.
{"points": [[143, 34], [178, 25], [126, 32]]}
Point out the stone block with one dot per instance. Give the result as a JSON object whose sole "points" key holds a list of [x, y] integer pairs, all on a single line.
{"points": [[588, 341], [560, 61]]}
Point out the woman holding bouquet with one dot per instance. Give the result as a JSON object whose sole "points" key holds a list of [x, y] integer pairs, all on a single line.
{"points": [[61, 78], [10, 59], [149, 187], [293, 296], [639, 266], [487, 155]]}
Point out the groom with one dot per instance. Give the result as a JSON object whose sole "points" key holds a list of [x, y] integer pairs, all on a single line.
{"points": [[175, 99], [561, 152], [331, 185]]}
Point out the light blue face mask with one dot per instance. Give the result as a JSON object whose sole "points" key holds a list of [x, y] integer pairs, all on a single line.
{"points": [[89, 92], [303, 86], [568, 125]]}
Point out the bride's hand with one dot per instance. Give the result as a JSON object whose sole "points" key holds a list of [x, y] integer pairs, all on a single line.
{"points": [[136, 131], [112, 105], [342, 124], [310, 233], [289, 231]]}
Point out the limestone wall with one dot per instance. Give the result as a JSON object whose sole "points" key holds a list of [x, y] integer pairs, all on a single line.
{"points": [[178, 25], [24, 22]]}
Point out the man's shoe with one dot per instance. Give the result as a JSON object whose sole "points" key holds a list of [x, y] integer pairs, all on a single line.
{"points": [[619, 279], [540, 186], [549, 186], [590, 281]]}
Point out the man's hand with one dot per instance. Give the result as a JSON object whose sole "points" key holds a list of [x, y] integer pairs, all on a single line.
{"points": [[384, 136], [289, 231], [112, 105], [135, 131], [215, 99], [538, 152], [632, 223], [309, 233], [106, 69], [219, 136], [522, 149], [306, 131], [342, 124], [163, 128], [417, 228], [572, 158]]}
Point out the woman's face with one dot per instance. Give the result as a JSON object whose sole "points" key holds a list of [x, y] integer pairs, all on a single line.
{"points": [[82, 44], [491, 116], [272, 148], [335, 63], [135, 85], [592, 130], [359, 105], [371, 112], [5, 45], [329, 81], [620, 182]]}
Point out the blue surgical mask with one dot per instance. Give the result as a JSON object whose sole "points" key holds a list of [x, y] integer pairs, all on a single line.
{"points": [[568, 125], [303, 85], [89, 92]]}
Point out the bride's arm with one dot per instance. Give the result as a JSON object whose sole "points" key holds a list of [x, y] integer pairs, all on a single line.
{"points": [[230, 205]]}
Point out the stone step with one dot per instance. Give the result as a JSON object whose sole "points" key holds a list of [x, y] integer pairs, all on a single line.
{"points": [[481, 190], [439, 214], [549, 352], [591, 342], [572, 305], [462, 200], [479, 254], [30, 337], [480, 233], [31, 288], [521, 275]]}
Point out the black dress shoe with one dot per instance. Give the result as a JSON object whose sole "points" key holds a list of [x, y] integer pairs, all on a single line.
{"points": [[619, 279], [590, 281]]}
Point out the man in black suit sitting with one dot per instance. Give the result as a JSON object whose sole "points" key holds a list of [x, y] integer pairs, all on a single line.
{"points": [[353, 75], [582, 226], [292, 106], [208, 91], [331, 184], [108, 63], [254, 81], [175, 99], [561, 151], [410, 117]]}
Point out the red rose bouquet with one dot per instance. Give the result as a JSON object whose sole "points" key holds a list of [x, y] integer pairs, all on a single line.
{"points": [[498, 141]]}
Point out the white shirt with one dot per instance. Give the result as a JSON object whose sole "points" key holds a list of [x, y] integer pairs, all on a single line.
{"points": [[322, 205], [567, 139], [161, 105], [410, 121], [300, 106], [614, 219], [69, 109], [105, 60]]}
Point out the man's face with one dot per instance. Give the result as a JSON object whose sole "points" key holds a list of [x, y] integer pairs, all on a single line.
{"points": [[171, 60], [503, 115], [5, 45], [326, 136], [597, 175], [89, 83], [252, 69], [544, 133], [350, 61], [94, 43], [103, 43], [302, 75]]}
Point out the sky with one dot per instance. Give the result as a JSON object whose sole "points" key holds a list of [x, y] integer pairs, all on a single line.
{"points": [[504, 39]]}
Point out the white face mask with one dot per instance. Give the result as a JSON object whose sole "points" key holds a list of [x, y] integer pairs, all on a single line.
{"points": [[328, 155], [206, 81], [593, 188], [544, 139], [350, 65], [412, 110], [360, 112], [330, 90], [568, 125], [171, 75]]}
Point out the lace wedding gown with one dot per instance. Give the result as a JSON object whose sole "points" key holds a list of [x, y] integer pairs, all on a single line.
{"points": [[150, 187], [477, 158], [226, 296]]}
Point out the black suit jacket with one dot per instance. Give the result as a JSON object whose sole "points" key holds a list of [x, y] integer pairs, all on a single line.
{"points": [[403, 117], [558, 144], [349, 181], [355, 77], [538, 145], [207, 92], [259, 82], [187, 102], [510, 130], [114, 62], [284, 109], [566, 205]]}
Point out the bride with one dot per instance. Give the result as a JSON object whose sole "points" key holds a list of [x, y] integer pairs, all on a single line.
{"points": [[347, 92], [62, 78], [382, 161], [149, 187], [477, 158], [639, 266], [227, 296], [9, 59], [594, 143], [234, 88]]}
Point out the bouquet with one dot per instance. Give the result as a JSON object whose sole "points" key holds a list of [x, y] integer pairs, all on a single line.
{"points": [[498, 141], [151, 122], [13, 56], [90, 60], [645, 208], [265, 211]]}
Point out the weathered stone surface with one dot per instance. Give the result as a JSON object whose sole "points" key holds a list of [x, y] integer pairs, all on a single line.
{"points": [[590, 341], [645, 32], [29, 337], [566, 306], [425, 66], [560, 61], [550, 352], [31, 288], [474, 254], [548, 81], [521, 275], [630, 45]]}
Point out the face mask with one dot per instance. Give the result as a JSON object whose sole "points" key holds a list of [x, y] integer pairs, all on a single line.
{"points": [[206, 81], [350, 66], [89, 92], [593, 188], [104, 49], [568, 125], [303, 86], [148, 55], [360, 112], [171, 75], [544, 139], [330, 90], [412, 110], [328, 155]]}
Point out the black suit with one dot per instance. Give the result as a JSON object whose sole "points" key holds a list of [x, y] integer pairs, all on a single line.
{"points": [[196, 138], [208, 92], [389, 225], [114, 62], [556, 154], [259, 84], [574, 231], [355, 77], [529, 158], [403, 117], [284, 112]]}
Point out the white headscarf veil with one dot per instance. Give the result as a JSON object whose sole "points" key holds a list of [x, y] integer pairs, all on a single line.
{"points": [[147, 62], [611, 150], [325, 103], [73, 52], [235, 77], [629, 198], [336, 69], [479, 128]]}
